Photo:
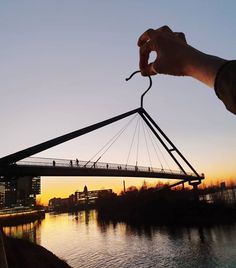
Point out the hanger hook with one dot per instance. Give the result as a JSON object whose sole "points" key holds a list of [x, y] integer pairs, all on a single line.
{"points": [[150, 84]]}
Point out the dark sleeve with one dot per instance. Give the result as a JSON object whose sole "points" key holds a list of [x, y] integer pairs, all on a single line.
{"points": [[225, 85]]}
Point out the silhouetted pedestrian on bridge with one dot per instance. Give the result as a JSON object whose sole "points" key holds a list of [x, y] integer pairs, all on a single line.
{"points": [[77, 162], [71, 163], [54, 163], [107, 166]]}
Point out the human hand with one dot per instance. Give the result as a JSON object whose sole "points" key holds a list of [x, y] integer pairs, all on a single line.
{"points": [[175, 56], [171, 48]]}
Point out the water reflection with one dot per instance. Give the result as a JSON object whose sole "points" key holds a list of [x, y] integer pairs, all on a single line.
{"points": [[83, 217], [84, 241], [186, 246], [28, 231]]}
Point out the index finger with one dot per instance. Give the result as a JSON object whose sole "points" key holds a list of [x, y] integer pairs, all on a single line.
{"points": [[145, 37], [144, 66]]}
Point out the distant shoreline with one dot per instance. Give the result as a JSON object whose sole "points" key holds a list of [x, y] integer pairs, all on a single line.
{"points": [[21, 217], [175, 208]]}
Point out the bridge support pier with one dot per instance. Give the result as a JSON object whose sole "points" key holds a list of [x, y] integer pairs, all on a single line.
{"points": [[195, 184], [195, 188]]}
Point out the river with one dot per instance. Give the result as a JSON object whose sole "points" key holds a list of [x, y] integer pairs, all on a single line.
{"points": [[83, 241]]}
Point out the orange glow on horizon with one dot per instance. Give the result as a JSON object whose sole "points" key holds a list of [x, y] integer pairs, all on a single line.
{"points": [[63, 187]]}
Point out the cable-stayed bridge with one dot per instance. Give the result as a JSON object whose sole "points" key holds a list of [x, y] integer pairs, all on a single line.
{"points": [[23, 164], [33, 166]]}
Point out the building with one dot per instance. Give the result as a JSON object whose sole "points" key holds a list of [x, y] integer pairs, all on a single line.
{"points": [[78, 198], [19, 191], [36, 185], [10, 193], [2, 195], [90, 195]]}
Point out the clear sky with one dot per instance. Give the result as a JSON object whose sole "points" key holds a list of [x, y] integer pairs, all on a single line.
{"points": [[63, 65]]}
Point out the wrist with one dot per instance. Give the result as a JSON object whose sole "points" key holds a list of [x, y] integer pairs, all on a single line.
{"points": [[203, 67]]}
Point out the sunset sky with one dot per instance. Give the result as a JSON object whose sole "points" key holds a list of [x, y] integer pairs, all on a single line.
{"points": [[63, 67]]}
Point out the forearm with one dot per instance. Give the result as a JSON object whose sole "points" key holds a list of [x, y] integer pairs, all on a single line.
{"points": [[217, 73], [203, 67], [225, 85]]}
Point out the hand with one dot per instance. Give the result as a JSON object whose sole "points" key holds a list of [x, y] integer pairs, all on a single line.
{"points": [[171, 49], [175, 56]]}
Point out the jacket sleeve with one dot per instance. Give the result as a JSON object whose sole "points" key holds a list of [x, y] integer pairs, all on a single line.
{"points": [[225, 85]]}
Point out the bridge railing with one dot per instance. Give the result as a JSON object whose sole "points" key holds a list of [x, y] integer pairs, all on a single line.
{"points": [[38, 161]]}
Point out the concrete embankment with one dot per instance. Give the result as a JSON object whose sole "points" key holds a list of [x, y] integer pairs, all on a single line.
{"points": [[20, 217]]}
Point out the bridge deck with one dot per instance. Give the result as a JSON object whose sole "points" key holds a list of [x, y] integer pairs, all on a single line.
{"points": [[47, 167]]}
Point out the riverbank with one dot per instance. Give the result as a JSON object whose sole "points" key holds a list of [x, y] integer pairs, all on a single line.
{"points": [[15, 217], [170, 207], [24, 254], [86, 242]]}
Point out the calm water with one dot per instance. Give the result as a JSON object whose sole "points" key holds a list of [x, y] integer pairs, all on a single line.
{"points": [[84, 242]]}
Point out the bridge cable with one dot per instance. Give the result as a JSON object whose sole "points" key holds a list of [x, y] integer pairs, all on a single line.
{"points": [[152, 139], [114, 137], [158, 147], [112, 140], [131, 144], [162, 154], [154, 147], [156, 142], [137, 151], [149, 156]]}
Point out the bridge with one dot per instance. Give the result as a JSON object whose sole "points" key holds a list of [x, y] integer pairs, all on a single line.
{"points": [[33, 166], [23, 164]]}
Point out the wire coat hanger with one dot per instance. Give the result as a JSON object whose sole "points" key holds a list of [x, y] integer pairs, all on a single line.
{"points": [[150, 84]]}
